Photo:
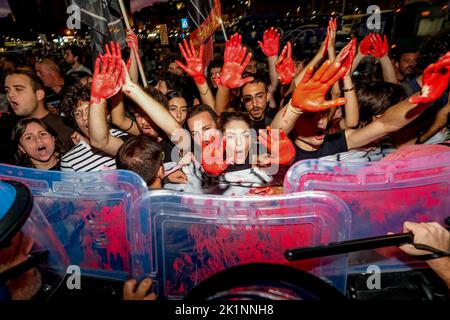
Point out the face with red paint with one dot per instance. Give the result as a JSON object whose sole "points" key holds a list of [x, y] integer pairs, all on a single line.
{"points": [[310, 130]]}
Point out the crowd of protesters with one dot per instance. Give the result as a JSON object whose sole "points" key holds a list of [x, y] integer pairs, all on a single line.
{"points": [[232, 127]]}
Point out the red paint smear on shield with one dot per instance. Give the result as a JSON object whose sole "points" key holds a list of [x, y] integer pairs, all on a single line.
{"points": [[219, 247], [105, 229]]}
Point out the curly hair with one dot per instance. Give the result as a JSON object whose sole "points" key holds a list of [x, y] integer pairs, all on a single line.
{"points": [[72, 97]]}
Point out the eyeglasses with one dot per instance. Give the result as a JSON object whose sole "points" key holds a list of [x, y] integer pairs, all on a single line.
{"points": [[77, 114]]}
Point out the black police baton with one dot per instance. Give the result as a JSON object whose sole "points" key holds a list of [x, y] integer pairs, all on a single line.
{"points": [[336, 248]]}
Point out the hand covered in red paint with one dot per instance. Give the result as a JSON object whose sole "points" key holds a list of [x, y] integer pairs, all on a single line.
{"points": [[331, 36], [309, 95], [194, 63], [278, 144], [380, 47], [285, 65], [348, 61], [365, 46], [131, 290], [236, 60], [107, 81], [435, 80], [271, 42], [213, 149]]}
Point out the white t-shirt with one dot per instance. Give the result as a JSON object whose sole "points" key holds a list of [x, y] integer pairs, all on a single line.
{"points": [[231, 183], [84, 158]]}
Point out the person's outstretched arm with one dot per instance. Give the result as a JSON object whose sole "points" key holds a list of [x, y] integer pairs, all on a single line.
{"points": [[309, 95], [119, 117], [194, 67], [107, 82], [435, 81], [270, 46]]}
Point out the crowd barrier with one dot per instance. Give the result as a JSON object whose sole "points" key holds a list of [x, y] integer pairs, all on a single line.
{"points": [[88, 213], [381, 196], [182, 239]]}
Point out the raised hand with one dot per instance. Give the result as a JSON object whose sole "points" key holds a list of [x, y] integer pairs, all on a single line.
{"points": [[194, 63], [236, 60], [331, 31], [278, 144], [331, 35], [380, 47], [347, 55], [232, 46], [108, 80], [285, 65], [309, 95], [435, 80], [131, 38], [365, 46], [271, 42], [213, 150]]}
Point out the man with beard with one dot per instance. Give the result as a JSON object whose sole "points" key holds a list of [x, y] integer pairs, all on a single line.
{"points": [[73, 56], [255, 98], [407, 71]]}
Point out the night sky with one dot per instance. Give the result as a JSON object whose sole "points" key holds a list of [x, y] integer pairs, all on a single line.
{"points": [[135, 5]]}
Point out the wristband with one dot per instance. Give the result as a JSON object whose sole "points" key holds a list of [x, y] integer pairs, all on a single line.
{"points": [[295, 110], [348, 90]]}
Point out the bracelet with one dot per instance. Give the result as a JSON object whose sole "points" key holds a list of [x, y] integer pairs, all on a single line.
{"points": [[206, 92], [294, 110], [436, 253], [132, 123], [348, 90]]}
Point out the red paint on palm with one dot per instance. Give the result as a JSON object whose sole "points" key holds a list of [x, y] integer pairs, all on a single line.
{"points": [[109, 79], [278, 144], [332, 26], [435, 80], [236, 60], [194, 63], [348, 60], [365, 46], [309, 95], [213, 150], [380, 47], [271, 42], [285, 65]]}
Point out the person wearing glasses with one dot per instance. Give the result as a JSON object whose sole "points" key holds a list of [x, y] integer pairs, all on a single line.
{"points": [[83, 157]]}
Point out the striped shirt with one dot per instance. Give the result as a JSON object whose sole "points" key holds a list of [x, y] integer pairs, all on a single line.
{"points": [[84, 158]]}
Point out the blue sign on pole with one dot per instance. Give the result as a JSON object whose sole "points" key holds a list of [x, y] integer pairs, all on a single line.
{"points": [[184, 23]]}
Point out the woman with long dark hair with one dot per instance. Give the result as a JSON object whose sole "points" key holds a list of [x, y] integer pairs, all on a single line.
{"points": [[36, 145]]}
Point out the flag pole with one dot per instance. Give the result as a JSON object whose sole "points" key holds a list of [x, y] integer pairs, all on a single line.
{"points": [[133, 48]]}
